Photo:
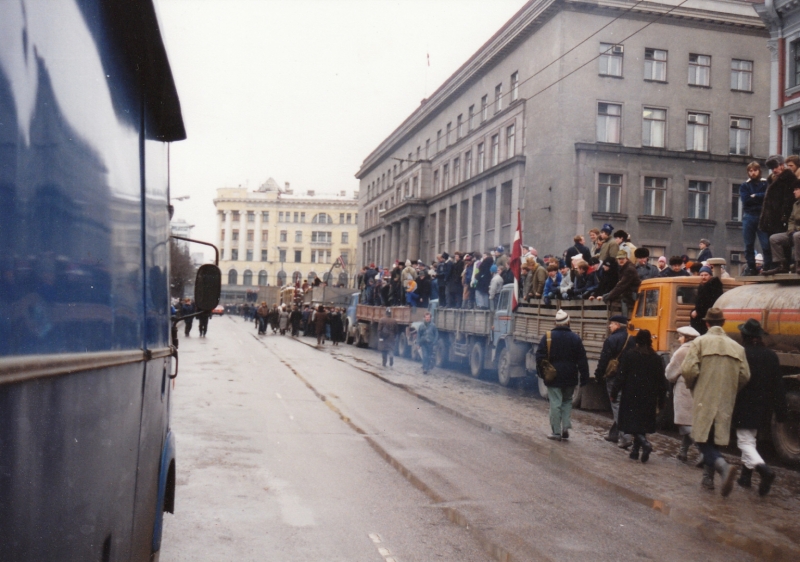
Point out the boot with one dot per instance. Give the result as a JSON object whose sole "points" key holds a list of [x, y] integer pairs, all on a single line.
{"points": [[767, 478], [708, 477], [745, 479], [647, 448], [683, 454], [780, 267], [613, 434], [728, 475], [625, 442]]}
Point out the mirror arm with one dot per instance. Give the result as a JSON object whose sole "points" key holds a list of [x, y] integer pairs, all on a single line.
{"points": [[216, 250]]}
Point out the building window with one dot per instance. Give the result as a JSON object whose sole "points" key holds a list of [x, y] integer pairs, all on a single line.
{"points": [[249, 255], [448, 140], [609, 191], [697, 132], [302, 217], [498, 98], [298, 235], [495, 150], [427, 148], [345, 255], [698, 199], [491, 216], [742, 75], [236, 216], [445, 176], [222, 254], [609, 117], [484, 108], [321, 236], [699, 70], [283, 236], [264, 236], [250, 235], [414, 186], [235, 235], [222, 234], [320, 256], [471, 118], [262, 278], [655, 196], [481, 158], [438, 141], [655, 65], [736, 203], [251, 216], [281, 278], [280, 215], [282, 255], [247, 278], [654, 127], [264, 255], [515, 86], [345, 237], [298, 256], [459, 126], [348, 218], [341, 218], [477, 216], [740, 135], [232, 277], [456, 171], [322, 218], [234, 255], [510, 141], [436, 181], [467, 165], [611, 59]]}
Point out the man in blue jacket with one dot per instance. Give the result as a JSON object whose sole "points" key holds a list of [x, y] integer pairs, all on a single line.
{"points": [[751, 194], [568, 356]]}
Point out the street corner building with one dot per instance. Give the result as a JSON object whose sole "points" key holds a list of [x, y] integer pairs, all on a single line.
{"points": [[272, 236], [642, 115]]}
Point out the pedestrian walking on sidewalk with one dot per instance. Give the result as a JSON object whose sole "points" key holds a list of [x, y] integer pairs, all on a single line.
{"points": [[566, 353], [320, 320], [715, 369], [682, 397], [641, 381], [427, 336], [762, 395], [615, 345], [387, 330]]}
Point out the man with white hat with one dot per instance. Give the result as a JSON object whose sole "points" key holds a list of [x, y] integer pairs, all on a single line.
{"points": [[561, 362], [682, 397]]}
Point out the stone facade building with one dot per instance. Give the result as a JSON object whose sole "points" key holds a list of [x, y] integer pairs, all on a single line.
{"points": [[642, 115], [272, 237]]}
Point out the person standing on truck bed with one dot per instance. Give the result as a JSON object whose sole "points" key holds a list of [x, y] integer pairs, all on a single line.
{"points": [[709, 290], [538, 275], [443, 269], [675, 268], [468, 294], [427, 336], [483, 279], [791, 238], [751, 194], [567, 354], [615, 345], [387, 330], [644, 269], [454, 287], [778, 201], [627, 286]]}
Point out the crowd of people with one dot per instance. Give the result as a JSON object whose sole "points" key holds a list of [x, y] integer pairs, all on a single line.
{"points": [[324, 323]]}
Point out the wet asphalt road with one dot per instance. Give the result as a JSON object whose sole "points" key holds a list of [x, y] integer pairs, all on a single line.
{"points": [[286, 452]]}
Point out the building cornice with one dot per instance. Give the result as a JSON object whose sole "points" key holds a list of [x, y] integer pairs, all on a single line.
{"points": [[664, 153]]}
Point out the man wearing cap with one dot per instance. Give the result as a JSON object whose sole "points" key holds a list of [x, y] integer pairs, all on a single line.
{"points": [[763, 394], [644, 269], [567, 354], [705, 251], [715, 369], [501, 258], [778, 200], [616, 343], [626, 288], [387, 329], [709, 290], [779, 242], [682, 397]]}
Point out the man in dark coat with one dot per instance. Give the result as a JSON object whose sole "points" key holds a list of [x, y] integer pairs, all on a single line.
{"points": [[567, 354], [705, 250], [778, 199], [443, 269], [763, 394], [387, 330], [295, 319], [751, 194], [454, 288], [337, 326], [675, 268], [578, 248], [616, 343], [483, 279], [187, 308], [424, 288], [708, 292], [627, 286], [427, 336], [644, 269], [320, 320]]}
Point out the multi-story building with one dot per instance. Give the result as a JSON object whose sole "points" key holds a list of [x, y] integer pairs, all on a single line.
{"points": [[642, 115], [272, 236]]}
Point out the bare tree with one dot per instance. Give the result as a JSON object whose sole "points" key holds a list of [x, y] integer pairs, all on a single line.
{"points": [[181, 268]]}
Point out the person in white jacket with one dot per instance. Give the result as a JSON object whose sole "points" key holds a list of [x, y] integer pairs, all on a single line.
{"points": [[682, 401]]}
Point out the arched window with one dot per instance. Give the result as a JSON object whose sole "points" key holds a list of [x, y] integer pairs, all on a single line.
{"points": [[322, 218], [262, 278], [281, 278], [343, 279], [297, 277], [232, 277], [326, 278], [247, 278], [311, 277]]}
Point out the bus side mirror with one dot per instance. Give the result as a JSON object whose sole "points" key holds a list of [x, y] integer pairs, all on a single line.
{"points": [[207, 287]]}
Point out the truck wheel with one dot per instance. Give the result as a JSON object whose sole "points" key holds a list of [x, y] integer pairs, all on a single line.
{"points": [[476, 358], [441, 354], [786, 436], [504, 367], [403, 349]]}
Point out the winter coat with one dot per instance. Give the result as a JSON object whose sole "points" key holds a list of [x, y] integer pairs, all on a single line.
{"points": [[443, 271], [682, 396], [320, 319], [763, 394], [295, 318], [496, 285], [707, 295], [627, 285], [585, 284], [613, 349], [567, 355], [566, 283], [427, 335], [794, 218], [647, 271], [387, 331], [283, 321], [527, 282], [609, 249], [715, 369], [501, 260], [778, 201], [466, 279], [537, 284], [575, 250], [337, 327], [607, 280], [704, 255], [484, 276], [454, 281], [641, 381], [424, 288], [551, 284], [751, 194], [668, 272]]}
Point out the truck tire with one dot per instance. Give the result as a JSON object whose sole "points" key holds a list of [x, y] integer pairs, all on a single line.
{"points": [[440, 354], [476, 358], [504, 367], [786, 436], [403, 349]]}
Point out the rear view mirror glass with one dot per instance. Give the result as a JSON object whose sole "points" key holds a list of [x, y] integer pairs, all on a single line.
{"points": [[207, 287]]}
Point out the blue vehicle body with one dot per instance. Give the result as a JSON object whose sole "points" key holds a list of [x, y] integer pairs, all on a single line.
{"points": [[87, 107]]}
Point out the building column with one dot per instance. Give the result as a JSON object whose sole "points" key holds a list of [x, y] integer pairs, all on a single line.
{"points": [[404, 240], [395, 241], [257, 245], [413, 238], [242, 238], [387, 247], [228, 235]]}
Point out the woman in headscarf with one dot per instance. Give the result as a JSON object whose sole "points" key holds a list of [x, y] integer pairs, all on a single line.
{"points": [[682, 396]]}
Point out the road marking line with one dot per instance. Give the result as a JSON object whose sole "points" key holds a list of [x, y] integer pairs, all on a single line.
{"points": [[375, 537], [384, 552], [279, 396]]}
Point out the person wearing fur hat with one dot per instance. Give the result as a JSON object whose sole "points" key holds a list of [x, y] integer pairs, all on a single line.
{"points": [[682, 398], [623, 240], [709, 290], [566, 353], [644, 268], [675, 268], [443, 269]]}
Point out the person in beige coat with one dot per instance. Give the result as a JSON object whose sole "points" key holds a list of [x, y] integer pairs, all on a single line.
{"points": [[682, 396], [715, 369]]}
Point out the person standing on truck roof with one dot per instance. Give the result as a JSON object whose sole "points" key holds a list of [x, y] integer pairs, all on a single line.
{"points": [[715, 369], [682, 398], [427, 336], [483, 280], [709, 290], [751, 194], [567, 354], [778, 201], [791, 237], [615, 345], [387, 330], [763, 394]]}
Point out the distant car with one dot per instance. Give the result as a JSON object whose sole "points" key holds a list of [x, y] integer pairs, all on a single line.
{"points": [[219, 311]]}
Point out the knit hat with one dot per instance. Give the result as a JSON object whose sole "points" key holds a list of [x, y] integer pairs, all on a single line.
{"points": [[608, 228], [621, 234], [706, 269], [501, 249], [408, 263], [493, 269], [562, 318]]}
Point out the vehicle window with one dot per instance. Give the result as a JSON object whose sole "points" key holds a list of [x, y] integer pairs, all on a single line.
{"points": [[651, 303], [503, 305], [686, 295], [640, 304]]}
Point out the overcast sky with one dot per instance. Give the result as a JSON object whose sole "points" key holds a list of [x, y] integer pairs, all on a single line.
{"points": [[303, 90]]}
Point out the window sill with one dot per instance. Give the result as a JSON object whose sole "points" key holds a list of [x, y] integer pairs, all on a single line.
{"points": [[620, 77], [699, 222], [742, 91], [655, 81], [733, 224], [600, 215], [792, 91], [655, 219], [699, 86]]}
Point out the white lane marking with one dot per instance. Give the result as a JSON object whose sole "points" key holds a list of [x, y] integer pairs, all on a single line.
{"points": [[376, 538], [384, 551], [279, 396]]}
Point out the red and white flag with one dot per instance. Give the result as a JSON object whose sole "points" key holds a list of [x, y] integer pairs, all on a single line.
{"points": [[515, 262]]}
